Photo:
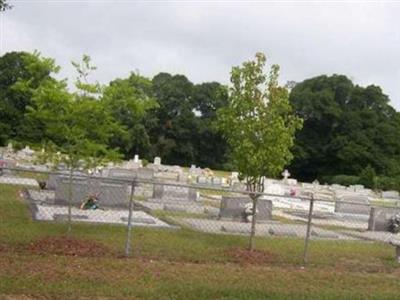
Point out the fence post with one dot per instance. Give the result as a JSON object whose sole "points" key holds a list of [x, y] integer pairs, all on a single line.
{"points": [[128, 235], [305, 257], [70, 200]]}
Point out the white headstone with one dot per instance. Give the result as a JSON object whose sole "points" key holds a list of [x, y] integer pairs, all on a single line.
{"points": [[285, 175], [157, 160], [136, 158]]}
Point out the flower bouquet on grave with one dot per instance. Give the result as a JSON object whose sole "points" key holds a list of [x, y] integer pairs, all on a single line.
{"points": [[91, 203]]}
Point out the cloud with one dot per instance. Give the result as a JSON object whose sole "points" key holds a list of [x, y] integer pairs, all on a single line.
{"points": [[203, 40]]}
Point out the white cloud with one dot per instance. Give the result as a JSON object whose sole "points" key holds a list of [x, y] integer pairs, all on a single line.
{"points": [[203, 40]]}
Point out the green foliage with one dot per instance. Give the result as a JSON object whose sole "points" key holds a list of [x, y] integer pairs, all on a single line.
{"points": [[129, 101], [74, 124], [368, 177], [21, 73], [181, 132], [345, 180], [346, 128], [4, 5], [258, 122]]}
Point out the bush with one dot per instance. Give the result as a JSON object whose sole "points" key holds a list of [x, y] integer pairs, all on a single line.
{"points": [[343, 180], [388, 183]]}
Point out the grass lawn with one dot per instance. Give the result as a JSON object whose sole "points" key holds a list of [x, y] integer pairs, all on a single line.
{"points": [[182, 264]]}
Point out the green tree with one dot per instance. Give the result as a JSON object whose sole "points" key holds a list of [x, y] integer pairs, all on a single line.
{"points": [[210, 147], [176, 127], [76, 127], [21, 73], [259, 126], [75, 124], [346, 128], [129, 101], [4, 5]]}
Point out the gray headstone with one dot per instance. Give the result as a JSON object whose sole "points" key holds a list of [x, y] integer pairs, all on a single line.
{"points": [[145, 173], [216, 181], [122, 173], [353, 204], [109, 193], [234, 208], [51, 183], [174, 192], [202, 180], [390, 195]]}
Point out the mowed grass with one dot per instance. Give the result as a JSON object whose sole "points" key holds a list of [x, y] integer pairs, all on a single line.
{"points": [[184, 264]]}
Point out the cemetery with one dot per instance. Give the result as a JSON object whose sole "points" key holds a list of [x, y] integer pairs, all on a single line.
{"points": [[195, 198], [145, 155]]}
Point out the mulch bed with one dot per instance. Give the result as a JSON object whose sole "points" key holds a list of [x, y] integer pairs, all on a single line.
{"points": [[68, 246], [253, 257]]}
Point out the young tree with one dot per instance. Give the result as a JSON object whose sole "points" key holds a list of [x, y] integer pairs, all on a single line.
{"points": [[76, 127], [258, 125]]}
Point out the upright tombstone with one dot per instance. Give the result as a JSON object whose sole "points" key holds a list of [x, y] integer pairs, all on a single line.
{"points": [[163, 192], [201, 179], [51, 183], [157, 160], [236, 208], [145, 174], [217, 181], [391, 195], [183, 177], [285, 174], [353, 204], [234, 178], [10, 149], [380, 216], [122, 173], [109, 194]]}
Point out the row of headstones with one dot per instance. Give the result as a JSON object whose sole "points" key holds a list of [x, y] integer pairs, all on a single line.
{"points": [[379, 217], [235, 208], [111, 193]]}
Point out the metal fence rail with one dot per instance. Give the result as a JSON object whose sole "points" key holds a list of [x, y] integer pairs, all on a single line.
{"points": [[79, 201]]}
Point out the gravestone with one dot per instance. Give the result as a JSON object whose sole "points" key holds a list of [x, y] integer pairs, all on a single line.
{"points": [[174, 193], [201, 179], [233, 208], [133, 164], [239, 186], [234, 178], [391, 195], [157, 160], [183, 177], [145, 174], [216, 181], [109, 194], [274, 189], [51, 183], [380, 216], [121, 173], [353, 204]]}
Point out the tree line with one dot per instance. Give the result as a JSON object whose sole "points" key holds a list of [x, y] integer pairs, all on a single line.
{"points": [[350, 133]]}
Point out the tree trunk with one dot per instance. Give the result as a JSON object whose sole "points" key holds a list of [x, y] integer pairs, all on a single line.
{"points": [[254, 198]]}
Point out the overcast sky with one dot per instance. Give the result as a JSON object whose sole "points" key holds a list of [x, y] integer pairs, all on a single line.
{"points": [[204, 39]]}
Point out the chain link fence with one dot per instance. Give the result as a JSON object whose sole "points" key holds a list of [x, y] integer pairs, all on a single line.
{"points": [[122, 208]]}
